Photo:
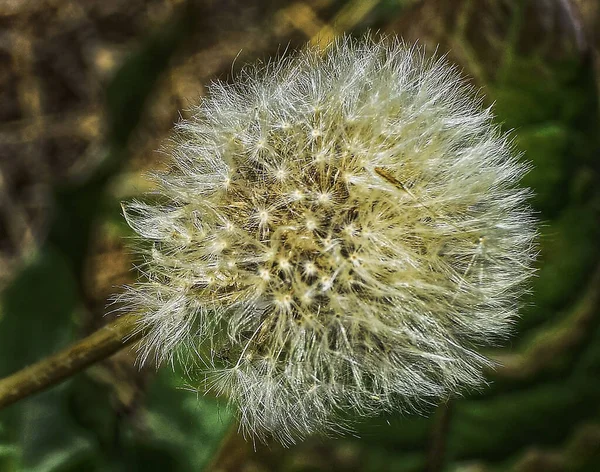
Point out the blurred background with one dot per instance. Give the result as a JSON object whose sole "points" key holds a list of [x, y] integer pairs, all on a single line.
{"points": [[88, 90]]}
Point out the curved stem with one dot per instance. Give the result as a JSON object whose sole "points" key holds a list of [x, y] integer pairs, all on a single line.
{"points": [[60, 366]]}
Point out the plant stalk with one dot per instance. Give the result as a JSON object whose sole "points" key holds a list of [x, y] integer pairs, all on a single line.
{"points": [[80, 355]]}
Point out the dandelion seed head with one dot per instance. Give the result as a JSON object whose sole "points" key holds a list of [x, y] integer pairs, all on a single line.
{"points": [[353, 232]]}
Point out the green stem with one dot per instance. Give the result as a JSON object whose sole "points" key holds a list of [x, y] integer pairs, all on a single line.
{"points": [[62, 365], [437, 447]]}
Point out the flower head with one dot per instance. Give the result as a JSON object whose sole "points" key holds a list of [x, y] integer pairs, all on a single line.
{"points": [[338, 230]]}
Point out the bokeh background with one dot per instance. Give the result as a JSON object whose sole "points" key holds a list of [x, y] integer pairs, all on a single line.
{"points": [[88, 90]]}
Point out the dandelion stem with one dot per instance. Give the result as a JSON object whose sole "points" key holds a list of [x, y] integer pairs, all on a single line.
{"points": [[62, 365], [437, 446]]}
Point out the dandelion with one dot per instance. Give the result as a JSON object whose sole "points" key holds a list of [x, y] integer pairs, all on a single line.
{"points": [[339, 231]]}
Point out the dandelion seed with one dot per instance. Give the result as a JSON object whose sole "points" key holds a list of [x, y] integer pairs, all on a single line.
{"points": [[369, 236]]}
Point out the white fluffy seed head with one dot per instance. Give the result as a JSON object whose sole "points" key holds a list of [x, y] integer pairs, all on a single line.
{"points": [[338, 231]]}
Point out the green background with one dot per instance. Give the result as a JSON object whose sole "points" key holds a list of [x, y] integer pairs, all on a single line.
{"points": [[536, 61]]}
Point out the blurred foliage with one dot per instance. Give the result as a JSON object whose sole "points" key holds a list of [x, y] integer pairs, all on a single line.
{"points": [[94, 89]]}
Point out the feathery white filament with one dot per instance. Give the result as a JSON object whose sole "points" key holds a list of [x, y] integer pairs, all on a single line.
{"points": [[339, 230]]}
